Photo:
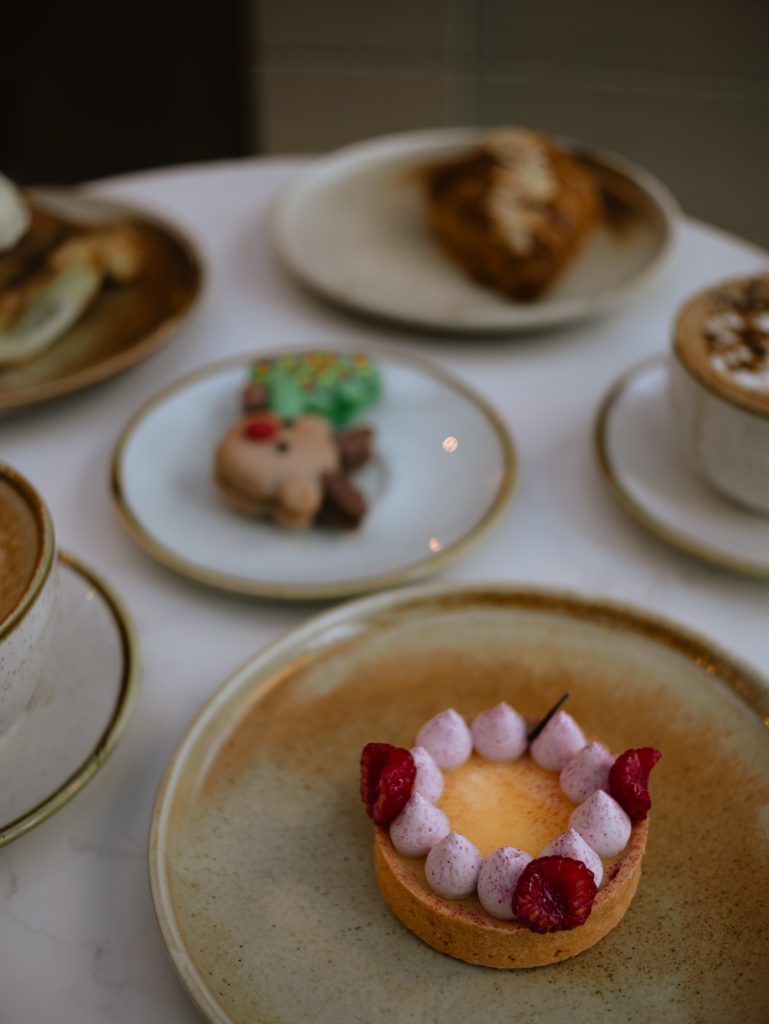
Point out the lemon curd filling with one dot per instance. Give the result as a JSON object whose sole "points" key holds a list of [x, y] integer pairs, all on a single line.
{"points": [[505, 804]]}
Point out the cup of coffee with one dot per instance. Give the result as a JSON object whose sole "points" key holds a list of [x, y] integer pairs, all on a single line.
{"points": [[28, 592], [719, 387]]}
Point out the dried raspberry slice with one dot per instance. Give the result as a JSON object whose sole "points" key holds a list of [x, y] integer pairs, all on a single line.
{"points": [[554, 894], [387, 776], [629, 781]]}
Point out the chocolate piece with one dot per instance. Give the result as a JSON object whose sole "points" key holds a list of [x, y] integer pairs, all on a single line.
{"points": [[343, 504], [355, 447]]}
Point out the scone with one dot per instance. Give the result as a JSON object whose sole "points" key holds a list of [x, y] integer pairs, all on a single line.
{"points": [[51, 271], [513, 211], [504, 852]]}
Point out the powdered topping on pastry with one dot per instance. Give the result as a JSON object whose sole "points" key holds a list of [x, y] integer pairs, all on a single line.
{"points": [[497, 880], [447, 739], [336, 385], [586, 771], [452, 867], [14, 215], [602, 824], [571, 844], [556, 890], [418, 827], [429, 780], [284, 462], [522, 183], [560, 740], [499, 734]]}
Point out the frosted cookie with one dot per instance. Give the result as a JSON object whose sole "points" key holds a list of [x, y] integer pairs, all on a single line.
{"points": [[337, 385], [295, 472]]}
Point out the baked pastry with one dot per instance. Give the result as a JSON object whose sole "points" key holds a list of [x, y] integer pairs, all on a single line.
{"points": [[51, 270], [513, 211], [504, 851], [285, 459]]}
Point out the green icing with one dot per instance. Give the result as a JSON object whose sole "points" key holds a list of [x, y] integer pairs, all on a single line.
{"points": [[337, 385]]}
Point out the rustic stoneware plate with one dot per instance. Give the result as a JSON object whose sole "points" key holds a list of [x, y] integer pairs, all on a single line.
{"points": [[352, 228], [261, 853], [80, 707], [443, 469], [644, 460], [124, 325]]}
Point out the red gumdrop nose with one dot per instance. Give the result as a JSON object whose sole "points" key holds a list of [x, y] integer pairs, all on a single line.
{"points": [[261, 427]]}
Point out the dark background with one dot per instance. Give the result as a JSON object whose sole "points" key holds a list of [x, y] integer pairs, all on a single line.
{"points": [[681, 87], [93, 88]]}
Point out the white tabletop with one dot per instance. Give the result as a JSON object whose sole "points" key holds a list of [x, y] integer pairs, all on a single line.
{"points": [[78, 939]]}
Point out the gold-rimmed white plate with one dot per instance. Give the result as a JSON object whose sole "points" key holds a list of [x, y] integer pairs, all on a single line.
{"points": [[643, 458], [443, 468], [124, 325], [79, 709], [261, 853], [352, 228]]}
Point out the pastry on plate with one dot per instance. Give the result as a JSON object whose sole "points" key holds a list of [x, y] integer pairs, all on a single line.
{"points": [[52, 270], [288, 458], [513, 211], [503, 845]]}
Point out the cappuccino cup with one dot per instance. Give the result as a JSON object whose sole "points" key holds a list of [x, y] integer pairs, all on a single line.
{"points": [[719, 387], [28, 592]]}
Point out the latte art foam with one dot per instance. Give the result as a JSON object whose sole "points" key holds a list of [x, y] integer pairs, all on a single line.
{"points": [[738, 343], [722, 335]]}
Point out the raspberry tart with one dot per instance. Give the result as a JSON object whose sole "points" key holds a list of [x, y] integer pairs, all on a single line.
{"points": [[505, 845]]}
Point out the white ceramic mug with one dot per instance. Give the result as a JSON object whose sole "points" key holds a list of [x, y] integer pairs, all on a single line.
{"points": [[727, 441], [26, 625]]}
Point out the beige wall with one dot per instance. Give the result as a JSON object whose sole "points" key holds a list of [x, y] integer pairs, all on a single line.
{"points": [[680, 86]]}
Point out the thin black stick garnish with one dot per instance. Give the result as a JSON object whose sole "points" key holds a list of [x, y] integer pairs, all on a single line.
{"points": [[543, 722]]}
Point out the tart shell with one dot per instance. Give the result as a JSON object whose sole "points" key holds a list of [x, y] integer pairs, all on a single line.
{"points": [[462, 929]]}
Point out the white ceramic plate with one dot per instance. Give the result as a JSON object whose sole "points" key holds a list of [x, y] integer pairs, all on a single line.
{"points": [[352, 228], [643, 457], [261, 853], [427, 501], [79, 709]]}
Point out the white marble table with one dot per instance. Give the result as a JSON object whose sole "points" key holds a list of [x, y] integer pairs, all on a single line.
{"points": [[78, 939]]}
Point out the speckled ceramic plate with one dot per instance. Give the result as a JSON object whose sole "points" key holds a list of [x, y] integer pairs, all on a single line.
{"points": [[443, 468], [352, 228], [643, 458], [261, 854], [79, 708], [124, 325]]}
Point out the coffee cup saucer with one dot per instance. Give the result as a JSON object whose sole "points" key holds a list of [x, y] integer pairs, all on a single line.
{"points": [[642, 456], [79, 708]]}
